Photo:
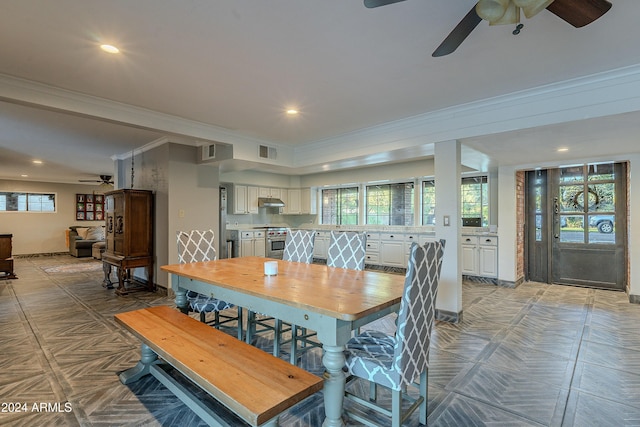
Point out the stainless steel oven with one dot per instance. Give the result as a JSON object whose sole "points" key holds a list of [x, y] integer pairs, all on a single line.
{"points": [[274, 240]]}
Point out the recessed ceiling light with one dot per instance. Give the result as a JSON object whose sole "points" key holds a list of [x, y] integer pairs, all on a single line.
{"points": [[292, 111], [38, 162], [562, 149], [109, 48], [24, 175]]}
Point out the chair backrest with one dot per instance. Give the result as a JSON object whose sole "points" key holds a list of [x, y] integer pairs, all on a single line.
{"points": [[347, 249], [298, 246], [196, 246], [417, 310]]}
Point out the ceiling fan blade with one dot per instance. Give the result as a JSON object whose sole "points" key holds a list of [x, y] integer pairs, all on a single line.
{"points": [[579, 12], [459, 33], [377, 3]]}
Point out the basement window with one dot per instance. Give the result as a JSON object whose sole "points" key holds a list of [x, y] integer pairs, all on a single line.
{"points": [[27, 202]]}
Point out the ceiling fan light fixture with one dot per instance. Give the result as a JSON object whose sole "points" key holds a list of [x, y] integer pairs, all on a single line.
{"points": [[532, 7], [492, 10], [511, 16]]}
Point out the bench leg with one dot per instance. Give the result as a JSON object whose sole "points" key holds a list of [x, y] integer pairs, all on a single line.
{"points": [[147, 358]]}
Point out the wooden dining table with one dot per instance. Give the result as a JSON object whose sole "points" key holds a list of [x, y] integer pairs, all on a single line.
{"points": [[332, 301]]}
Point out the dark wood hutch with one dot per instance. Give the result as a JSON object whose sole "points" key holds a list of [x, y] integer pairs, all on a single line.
{"points": [[6, 259], [129, 238]]}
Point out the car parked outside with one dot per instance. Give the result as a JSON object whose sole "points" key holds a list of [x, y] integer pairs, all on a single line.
{"points": [[604, 223]]}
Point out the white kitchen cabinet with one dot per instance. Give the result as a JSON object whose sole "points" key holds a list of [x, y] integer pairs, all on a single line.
{"points": [[372, 252], [470, 255], [308, 201], [299, 201], [488, 256], [252, 199], [321, 244], [284, 196], [245, 199], [240, 199], [420, 239], [392, 249], [252, 243], [480, 256], [294, 206], [271, 193]]}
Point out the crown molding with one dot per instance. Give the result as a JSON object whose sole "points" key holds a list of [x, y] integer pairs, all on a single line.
{"points": [[603, 94], [27, 92]]}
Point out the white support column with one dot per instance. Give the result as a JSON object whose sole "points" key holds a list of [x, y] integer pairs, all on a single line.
{"points": [[507, 231], [634, 221], [448, 172]]}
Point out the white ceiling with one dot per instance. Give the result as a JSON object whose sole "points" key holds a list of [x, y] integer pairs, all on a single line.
{"points": [[238, 64]]}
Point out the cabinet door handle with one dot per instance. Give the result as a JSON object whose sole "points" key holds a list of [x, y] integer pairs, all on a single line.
{"points": [[391, 236], [488, 240]]}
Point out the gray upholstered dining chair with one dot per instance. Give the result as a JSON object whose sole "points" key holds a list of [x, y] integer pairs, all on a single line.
{"points": [[346, 250], [298, 247], [196, 246], [396, 361]]}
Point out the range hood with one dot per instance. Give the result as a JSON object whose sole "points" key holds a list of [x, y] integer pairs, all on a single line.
{"points": [[268, 202]]}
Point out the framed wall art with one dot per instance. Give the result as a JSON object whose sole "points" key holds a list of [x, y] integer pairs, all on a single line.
{"points": [[89, 207]]}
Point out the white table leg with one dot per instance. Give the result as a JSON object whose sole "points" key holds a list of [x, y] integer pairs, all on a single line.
{"points": [[334, 384]]}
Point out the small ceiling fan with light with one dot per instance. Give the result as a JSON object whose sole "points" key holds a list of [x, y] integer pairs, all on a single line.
{"points": [[104, 179], [499, 12]]}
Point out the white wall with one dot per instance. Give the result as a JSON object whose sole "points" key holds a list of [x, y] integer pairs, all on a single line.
{"points": [[448, 203], [185, 196], [263, 179], [634, 224], [394, 171], [40, 232], [507, 238]]}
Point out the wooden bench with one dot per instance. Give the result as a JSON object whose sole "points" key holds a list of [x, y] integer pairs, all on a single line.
{"points": [[251, 383]]}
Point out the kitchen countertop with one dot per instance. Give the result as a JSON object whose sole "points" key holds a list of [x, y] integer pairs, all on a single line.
{"points": [[466, 231]]}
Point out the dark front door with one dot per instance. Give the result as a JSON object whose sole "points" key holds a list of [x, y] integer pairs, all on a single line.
{"points": [[578, 235]]}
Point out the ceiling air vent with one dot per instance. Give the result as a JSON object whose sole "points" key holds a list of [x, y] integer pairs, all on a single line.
{"points": [[209, 152], [267, 152]]}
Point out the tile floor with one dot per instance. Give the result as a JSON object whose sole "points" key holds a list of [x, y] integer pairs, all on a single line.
{"points": [[538, 355]]}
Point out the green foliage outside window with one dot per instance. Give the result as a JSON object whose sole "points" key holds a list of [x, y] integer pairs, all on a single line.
{"points": [[340, 206], [390, 204]]}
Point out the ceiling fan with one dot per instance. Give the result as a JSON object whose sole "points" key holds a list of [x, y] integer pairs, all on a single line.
{"points": [[497, 12], [104, 179]]}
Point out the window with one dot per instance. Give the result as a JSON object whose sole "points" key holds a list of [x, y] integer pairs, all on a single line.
{"points": [[390, 204], [27, 202], [586, 202], [475, 198], [340, 206], [429, 202]]}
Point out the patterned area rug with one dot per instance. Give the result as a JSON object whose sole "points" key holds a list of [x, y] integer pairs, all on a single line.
{"points": [[74, 268]]}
